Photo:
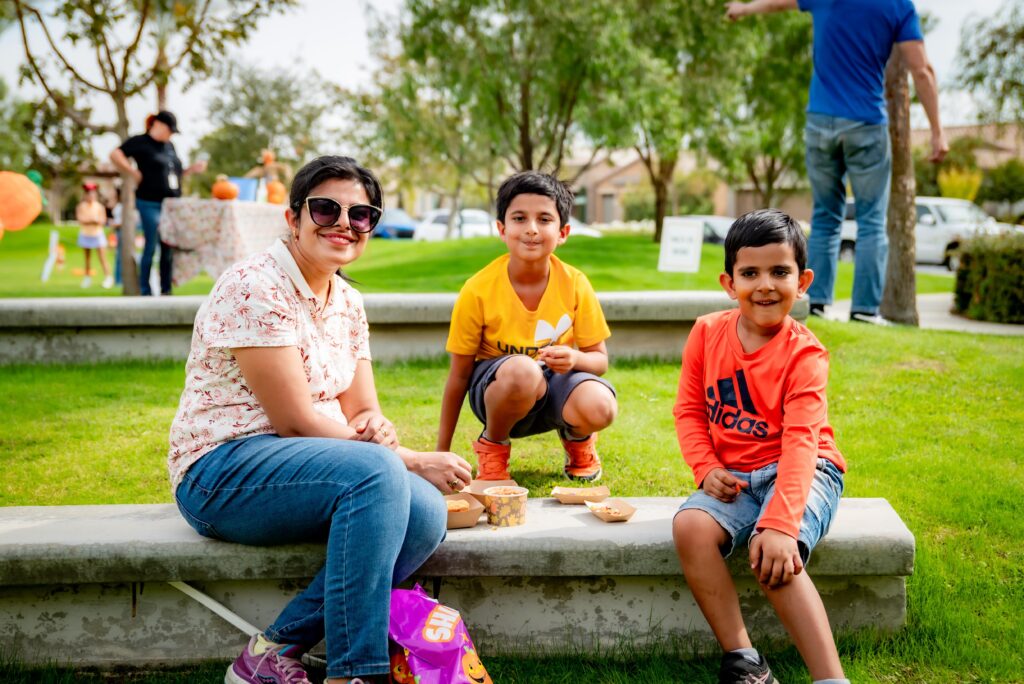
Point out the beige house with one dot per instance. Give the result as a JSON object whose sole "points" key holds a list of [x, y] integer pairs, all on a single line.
{"points": [[1001, 142], [600, 188]]}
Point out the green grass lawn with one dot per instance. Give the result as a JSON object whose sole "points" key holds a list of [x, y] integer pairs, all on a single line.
{"points": [[929, 420], [614, 262]]}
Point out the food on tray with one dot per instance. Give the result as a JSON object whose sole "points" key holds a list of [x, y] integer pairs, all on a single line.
{"points": [[605, 508], [457, 505], [504, 491]]}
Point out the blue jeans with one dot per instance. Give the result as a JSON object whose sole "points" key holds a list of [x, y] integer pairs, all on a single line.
{"points": [[149, 215], [840, 149], [380, 522], [739, 517]]}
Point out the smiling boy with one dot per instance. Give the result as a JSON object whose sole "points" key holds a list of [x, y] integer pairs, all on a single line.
{"points": [[527, 339], [752, 422]]}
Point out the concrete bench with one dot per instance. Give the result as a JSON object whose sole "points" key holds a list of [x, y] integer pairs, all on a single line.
{"points": [[402, 326], [88, 584]]}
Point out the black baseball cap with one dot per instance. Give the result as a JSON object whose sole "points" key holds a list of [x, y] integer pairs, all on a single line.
{"points": [[164, 116]]}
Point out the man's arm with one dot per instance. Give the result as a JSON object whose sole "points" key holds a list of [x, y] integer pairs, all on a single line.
{"points": [[738, 10], [927, 91]]}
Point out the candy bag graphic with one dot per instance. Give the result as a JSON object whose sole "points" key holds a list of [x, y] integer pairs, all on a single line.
{"points": [[431, 644]]}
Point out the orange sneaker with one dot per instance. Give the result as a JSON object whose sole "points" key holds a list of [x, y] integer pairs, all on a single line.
{"points": [[581, 459], [492, 460]]}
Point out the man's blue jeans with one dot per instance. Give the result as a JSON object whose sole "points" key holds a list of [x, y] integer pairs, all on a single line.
{"points": [[840, 149], [149, 215], [380, 522]]}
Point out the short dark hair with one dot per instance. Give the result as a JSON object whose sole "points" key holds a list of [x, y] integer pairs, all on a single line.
{"points": [[765, 227], [536, 183], [327, 167]]}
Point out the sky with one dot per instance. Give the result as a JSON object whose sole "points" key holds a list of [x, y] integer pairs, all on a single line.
{"points": [[331, 36]]}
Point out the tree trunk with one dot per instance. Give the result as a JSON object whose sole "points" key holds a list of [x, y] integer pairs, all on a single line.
{"points": [[899, 299], [453, 212], [661, 182], [126, 238]]}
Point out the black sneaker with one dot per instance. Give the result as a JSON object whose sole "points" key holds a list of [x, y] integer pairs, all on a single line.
{"points": [[735, 669], [870, 319], [818, 310]]}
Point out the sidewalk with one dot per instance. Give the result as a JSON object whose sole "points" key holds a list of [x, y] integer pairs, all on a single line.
{"points": [[934, 313]]}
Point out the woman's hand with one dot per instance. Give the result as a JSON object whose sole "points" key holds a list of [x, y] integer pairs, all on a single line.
{"points": [[447, 471], [374, 427], [558, 358]]}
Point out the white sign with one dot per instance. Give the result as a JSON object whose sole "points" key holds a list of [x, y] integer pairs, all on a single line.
{"points": [[681, 242]]}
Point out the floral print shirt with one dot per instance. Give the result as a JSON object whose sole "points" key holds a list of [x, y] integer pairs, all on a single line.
{"points": [[263, 301]]}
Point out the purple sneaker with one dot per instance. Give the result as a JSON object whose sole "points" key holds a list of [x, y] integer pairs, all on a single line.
{"points": [[270, 667]]}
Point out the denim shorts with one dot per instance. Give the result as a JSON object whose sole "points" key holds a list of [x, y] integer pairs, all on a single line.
{"points": [[546, 414], [739, 517]]}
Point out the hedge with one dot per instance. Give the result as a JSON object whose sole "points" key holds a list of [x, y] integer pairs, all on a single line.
{"points": [[990, 279]]}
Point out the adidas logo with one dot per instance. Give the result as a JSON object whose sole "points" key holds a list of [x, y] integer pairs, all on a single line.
{"points": [[733, 393]]}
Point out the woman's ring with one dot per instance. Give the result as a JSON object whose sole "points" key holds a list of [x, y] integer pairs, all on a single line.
{"points": [[384, 432], [454, 484]]}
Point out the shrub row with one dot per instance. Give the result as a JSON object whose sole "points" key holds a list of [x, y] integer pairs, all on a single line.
{"points": [[990, 279]]}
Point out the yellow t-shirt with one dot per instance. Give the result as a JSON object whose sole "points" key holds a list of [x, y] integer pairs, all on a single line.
{"points": [[489, 319]]}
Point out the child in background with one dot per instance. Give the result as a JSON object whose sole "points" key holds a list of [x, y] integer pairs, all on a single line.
{"points": [[527, 340], [91, 216], [752, 422]]}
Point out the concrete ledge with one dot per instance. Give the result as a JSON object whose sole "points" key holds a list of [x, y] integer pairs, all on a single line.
{"points": [[402, 326], [71, 575]]}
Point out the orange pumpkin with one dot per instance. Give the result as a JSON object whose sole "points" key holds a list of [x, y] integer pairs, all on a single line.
{"points": [[223, 189], [20, 201], [277, 193]]}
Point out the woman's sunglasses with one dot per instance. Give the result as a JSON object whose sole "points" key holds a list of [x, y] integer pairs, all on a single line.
{"points": [[325, 213]]}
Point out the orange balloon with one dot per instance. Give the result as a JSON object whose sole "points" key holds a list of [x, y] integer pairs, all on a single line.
{"points": [[20, 201]]}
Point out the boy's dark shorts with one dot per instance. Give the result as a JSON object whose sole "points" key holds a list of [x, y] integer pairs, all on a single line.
{"points": [[546, 414]]}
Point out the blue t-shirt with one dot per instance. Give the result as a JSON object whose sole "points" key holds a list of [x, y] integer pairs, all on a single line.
{"points": [[852, 43]]}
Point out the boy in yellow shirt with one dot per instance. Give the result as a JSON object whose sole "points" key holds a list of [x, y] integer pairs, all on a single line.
{"points": [[527, 340]]}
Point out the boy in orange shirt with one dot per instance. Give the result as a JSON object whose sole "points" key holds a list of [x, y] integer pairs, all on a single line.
{"points": [[527, 339], [752, 422]]}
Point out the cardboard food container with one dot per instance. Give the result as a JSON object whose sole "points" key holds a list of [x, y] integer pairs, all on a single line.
{"points": [[477, 487], [578, 495], [505, 505], [467, 518], [603, 510]]}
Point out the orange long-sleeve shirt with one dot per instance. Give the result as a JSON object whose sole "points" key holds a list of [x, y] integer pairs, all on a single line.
{"points": [[745, 411]]}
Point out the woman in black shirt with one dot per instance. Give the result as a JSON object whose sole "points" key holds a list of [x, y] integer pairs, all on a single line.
{"points": [[157, 177]]}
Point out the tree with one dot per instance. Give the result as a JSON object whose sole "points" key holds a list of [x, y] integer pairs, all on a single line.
{"points": [[679, 63], [412, 123], [758, 134], [899, 298], [15, 132], [961, 155], [991, 60], [255, 108], [521, 71], [202, 29]]}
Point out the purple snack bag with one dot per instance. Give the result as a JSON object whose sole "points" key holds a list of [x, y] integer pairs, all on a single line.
{"points": [[433, 646]]}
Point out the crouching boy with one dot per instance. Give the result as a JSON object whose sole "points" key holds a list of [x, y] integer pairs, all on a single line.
{"points": [[752, 422], [527, 340]]}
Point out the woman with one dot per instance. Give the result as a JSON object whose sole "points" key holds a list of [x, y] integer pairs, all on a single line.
{"points": [[279, 436], [157, 177], [91, 216]]}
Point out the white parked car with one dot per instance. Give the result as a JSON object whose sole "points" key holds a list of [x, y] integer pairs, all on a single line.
{"points": [[471, 223], [942, 223], [715, 227], [578, 228]]}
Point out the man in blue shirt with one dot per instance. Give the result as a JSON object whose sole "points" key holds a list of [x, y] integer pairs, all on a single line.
{"points": [[847, 134]]}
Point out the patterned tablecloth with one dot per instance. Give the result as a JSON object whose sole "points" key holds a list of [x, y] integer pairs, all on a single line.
{"points": [[211, 235]]}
